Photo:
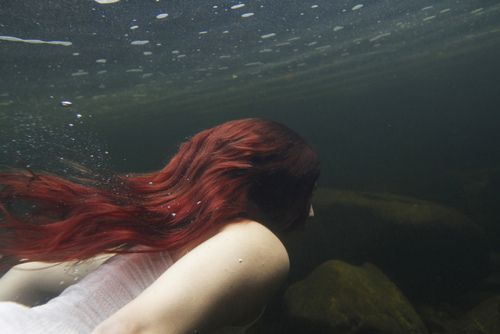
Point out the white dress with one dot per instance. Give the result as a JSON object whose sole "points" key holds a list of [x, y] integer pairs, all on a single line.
{"points": [[84, 305]]}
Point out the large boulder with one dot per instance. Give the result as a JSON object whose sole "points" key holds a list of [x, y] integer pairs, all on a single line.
{"points": [[483, 319], [476, 190], [343, 299], [477, 311], [430, 251]]}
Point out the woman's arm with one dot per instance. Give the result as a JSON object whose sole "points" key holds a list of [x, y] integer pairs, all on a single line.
{"points": [[33, 282], [226, 280]]}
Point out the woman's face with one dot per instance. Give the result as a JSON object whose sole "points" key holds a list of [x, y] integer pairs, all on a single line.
{"points": [[311, 211]]}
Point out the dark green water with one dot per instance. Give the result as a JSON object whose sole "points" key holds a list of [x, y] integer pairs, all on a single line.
{"points": [[397, 96]]}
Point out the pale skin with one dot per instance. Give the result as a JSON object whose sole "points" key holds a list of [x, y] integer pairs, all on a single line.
{"points": [[221, 279], [33, 282]]}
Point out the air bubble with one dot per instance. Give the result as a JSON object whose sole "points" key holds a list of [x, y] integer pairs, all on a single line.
{"points": [[240, 5], [139, 42], [161, 16]]}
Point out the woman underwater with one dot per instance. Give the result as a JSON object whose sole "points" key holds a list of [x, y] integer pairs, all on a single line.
{"points": [[192, 248]]}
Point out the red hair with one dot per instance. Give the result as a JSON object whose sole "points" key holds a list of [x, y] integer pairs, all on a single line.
{"points": [[211, 180]]}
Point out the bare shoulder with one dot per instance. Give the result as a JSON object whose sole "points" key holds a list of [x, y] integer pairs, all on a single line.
{"points": [[258, 246], [249, 262], [241, 238], [224, 280], [255, 237], [254, 256]]}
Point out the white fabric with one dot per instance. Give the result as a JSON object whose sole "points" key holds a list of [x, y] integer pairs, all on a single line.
{"points": [[82, 306]]}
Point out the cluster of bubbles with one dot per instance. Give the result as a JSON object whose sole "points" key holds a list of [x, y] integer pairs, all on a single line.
{"points": [[178, 47], [59, 142], [173, 47]]}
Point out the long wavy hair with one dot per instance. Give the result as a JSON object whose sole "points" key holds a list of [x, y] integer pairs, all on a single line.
{"points": [[240, 169]]}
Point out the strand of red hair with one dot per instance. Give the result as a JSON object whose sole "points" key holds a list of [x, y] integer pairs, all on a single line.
{"points": [[209, 181]]}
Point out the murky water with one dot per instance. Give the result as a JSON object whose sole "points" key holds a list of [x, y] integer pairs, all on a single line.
{"points": [[397, 96]]}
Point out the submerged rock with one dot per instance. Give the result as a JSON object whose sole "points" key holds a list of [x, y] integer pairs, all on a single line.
{"points": [[477, 191], [430, 251], [341, 298], [483, 318]]}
